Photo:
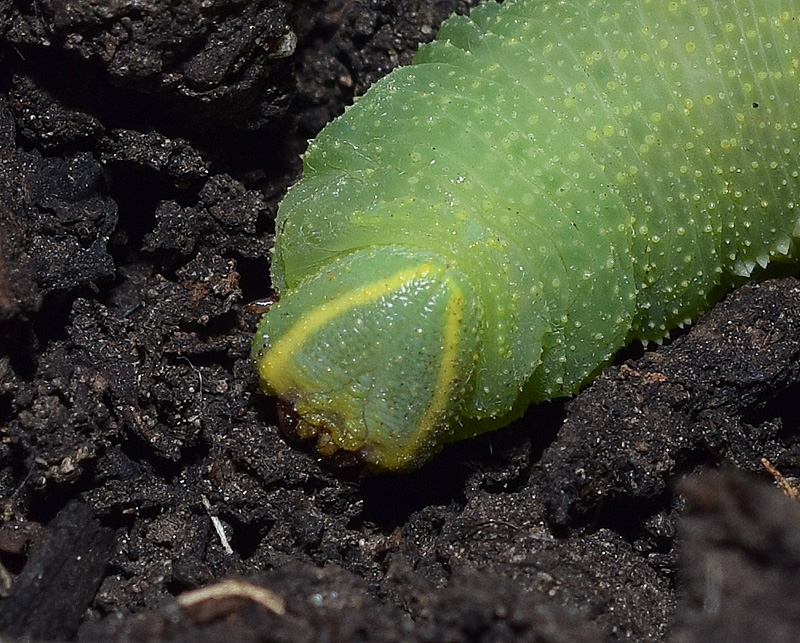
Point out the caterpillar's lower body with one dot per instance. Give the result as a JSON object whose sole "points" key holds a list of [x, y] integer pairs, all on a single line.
{"points": [[547, 181]]}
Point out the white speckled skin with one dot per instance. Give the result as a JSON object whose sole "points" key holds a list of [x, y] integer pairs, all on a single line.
{"points": [[592, 170]]}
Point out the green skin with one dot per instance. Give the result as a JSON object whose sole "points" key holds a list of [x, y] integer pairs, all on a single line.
{"points": [[572, 175]]}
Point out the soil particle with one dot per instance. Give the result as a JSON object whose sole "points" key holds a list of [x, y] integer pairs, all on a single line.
{"points": [[740, 554], [60, 578], [213, 60], [143, 151], [703, 400]]}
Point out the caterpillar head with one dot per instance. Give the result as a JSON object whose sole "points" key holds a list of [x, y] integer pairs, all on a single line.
{"points": [[374, 354]]}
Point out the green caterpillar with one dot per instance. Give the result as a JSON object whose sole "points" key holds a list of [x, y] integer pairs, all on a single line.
{"points": [[547, 181]]}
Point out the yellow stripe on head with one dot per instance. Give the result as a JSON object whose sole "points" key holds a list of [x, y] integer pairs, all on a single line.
{"points": [[273, 366], [447, 379]]}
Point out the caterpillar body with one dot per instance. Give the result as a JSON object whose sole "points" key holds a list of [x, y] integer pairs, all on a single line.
{"points": [[547, 181]]}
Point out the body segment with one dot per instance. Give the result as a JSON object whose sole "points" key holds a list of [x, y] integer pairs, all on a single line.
{"points": [[552, 179]]}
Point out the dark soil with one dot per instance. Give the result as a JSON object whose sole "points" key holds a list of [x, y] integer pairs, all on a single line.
{"points": [[143, 150]]}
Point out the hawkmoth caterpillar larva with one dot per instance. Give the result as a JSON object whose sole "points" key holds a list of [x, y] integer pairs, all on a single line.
{"points": [[548, 180]]}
